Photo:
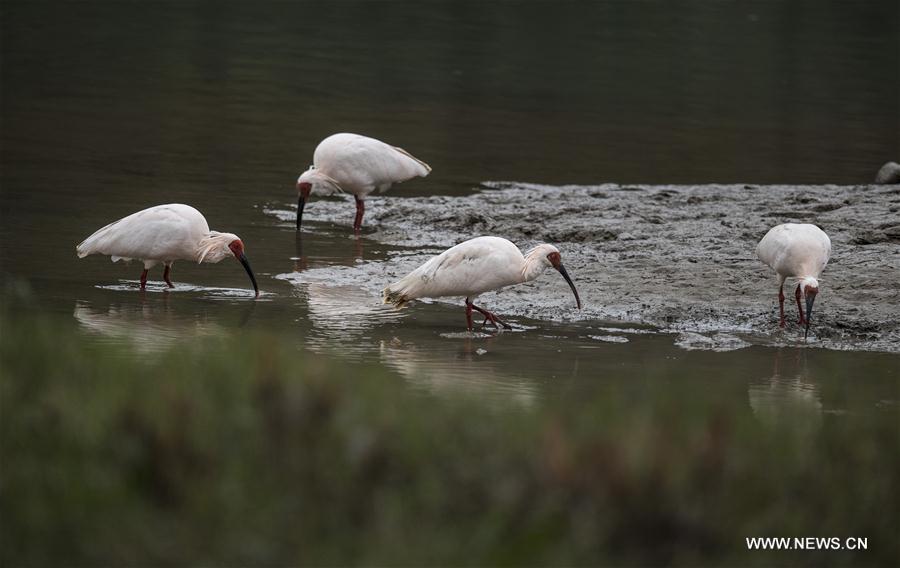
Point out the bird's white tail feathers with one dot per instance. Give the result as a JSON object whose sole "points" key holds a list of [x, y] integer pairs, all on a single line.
{"points": [[401, 292], [97, 242], [423, 169], [394, 297]]}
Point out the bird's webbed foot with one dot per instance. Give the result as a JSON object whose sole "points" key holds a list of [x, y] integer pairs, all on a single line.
{"points": [[490, 317]]}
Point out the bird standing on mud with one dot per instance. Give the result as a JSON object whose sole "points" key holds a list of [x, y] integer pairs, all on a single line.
{"points": [[473, 267], [350, 163], [796, 251], [165, 233]]}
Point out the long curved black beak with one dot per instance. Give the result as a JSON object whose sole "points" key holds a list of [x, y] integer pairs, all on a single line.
{"points": [[301, 202], [562, 270], [243, 260], [810, 298]]}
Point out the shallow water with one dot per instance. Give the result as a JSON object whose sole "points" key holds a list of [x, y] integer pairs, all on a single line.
{"points": [[677, 258], [108, 109]]}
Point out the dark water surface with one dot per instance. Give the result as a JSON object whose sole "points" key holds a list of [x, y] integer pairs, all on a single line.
{"points": [[108, 108]]}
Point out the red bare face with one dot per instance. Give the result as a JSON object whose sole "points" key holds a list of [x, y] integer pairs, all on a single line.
{"points": [[237, 248], [810, 290], [555, 259], [304, 188]]}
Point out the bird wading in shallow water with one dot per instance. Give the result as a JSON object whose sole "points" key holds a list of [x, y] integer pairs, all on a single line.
{"points": [[476, 266], [796, 251], [358, 165], [165, 233]]}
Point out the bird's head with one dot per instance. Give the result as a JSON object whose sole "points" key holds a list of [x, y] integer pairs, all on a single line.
{"points": [[236, 247], [546, 256], [216, 246], [809, 286], [313, 181], [304, 188]]}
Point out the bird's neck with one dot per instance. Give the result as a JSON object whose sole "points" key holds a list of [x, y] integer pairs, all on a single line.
{"points": [[532, 268]]}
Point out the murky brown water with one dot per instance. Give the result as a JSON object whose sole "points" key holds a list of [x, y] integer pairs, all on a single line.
{"points": [[107, 109]]}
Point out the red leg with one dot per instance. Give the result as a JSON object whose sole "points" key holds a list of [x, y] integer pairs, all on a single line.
{"points": [[781, 302], [166, 276], [469, 314], [144, 279], [799, 307], [360, 211], [489, 317]]}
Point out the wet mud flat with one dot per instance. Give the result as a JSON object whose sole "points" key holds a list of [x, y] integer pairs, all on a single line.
{"points": [[681, 259]]}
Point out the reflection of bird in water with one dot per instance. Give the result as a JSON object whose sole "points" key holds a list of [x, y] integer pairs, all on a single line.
{"points": [[246, 313], [457, 371], [345, 307], [796, 251], [148, 326], [358, 165], [343, 313], [473, 267], [789, 395], [301, 261], [165, 233]]}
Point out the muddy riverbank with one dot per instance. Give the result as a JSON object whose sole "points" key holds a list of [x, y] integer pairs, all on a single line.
{"points": [[678, 258]]}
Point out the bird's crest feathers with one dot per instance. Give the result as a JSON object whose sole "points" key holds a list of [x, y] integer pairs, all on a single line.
{"points": [[322, 183], [536, 260], [809, 282], [214, 246]]}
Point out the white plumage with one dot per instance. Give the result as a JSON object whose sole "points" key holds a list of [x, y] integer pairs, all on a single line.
{"points": [[358, 165], [473, 267], [796, 251], [164, 233]]}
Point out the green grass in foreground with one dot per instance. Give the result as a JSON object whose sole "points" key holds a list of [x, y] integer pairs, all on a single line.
{"points": [[249, 451]]}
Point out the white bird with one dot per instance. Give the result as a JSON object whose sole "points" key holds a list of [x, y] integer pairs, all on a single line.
{"points": [[350, 163], [471, 268], [796, 251], [165, 233]]}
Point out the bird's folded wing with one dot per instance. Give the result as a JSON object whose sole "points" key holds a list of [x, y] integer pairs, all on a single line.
{"points": [[400, 167]]}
